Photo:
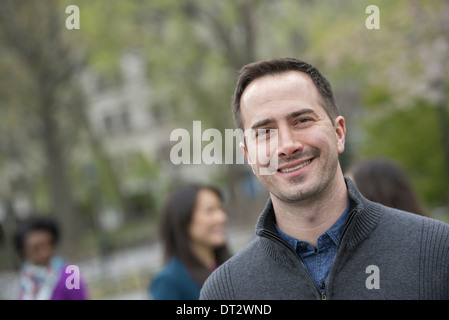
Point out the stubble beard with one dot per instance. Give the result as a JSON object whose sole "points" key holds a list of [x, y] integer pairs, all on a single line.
{"points": [[303, 187]]}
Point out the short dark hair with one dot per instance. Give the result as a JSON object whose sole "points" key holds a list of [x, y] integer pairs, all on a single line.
{"points": [[255, 70], [35, 224]]}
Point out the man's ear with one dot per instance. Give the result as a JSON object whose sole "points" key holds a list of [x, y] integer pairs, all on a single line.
{"points": [[245, 151], [340, 133], [247, 156]]}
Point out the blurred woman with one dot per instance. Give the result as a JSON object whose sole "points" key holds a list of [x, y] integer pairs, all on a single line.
{"points": [[383, 181], [43, 274], [194, 242]]}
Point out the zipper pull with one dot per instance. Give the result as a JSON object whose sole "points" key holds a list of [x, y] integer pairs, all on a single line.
{"points": [[323, 295], [322, 286]]}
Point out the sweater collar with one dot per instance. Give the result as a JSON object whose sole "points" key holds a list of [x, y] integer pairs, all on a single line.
{"points": [[363, 217]]}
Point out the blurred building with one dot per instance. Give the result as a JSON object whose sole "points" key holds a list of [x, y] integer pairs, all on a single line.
{"points": [[128, 123], [123, 115]]}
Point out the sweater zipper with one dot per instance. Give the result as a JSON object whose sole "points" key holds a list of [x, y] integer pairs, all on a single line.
{"points": [[351, 216], [280, 240]]}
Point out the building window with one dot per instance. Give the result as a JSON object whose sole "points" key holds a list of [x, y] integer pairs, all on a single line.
{"points": [[117, 123]]}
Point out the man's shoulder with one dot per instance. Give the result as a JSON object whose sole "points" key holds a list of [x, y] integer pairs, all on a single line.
{"points": [[408, 218], [243, 258], [221, 283], [399, 221]]}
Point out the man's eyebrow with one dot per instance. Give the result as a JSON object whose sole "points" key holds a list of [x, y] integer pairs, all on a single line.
{"points": [[261, 123], [301, 112], [290, 116]]}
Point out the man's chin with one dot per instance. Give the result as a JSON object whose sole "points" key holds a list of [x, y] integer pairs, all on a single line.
{"points": [[289, 194], [296, 190]]}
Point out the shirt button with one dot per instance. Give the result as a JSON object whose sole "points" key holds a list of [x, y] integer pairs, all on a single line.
{"points": [[302, 247], [322, 285]]}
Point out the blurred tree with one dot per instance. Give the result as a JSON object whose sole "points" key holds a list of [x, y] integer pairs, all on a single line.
{"points": [[44, 104], [31, 32], [194, 49], [399, 72], [218, 38], [417, 152], [417, 84]]}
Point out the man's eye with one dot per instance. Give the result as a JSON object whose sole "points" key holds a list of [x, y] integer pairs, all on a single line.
{"points": [[303, 120], [262, 132]]}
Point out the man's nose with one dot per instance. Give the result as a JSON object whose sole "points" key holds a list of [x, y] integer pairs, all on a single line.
{"points": [[288, 143]]}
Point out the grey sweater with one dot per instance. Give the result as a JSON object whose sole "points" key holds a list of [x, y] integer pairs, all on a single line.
{"points": [[383, 253]]}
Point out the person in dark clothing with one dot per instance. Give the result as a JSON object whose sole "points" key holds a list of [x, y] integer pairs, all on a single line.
{"points": [[318, 237]]}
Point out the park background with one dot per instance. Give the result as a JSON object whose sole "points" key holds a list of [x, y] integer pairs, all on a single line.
{"points": [[86, 114]]}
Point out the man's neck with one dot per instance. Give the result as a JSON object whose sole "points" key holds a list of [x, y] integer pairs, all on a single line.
{"points": [[308, 219]]}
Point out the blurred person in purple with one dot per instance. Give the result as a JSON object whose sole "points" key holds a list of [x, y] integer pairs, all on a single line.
{"points": [[44, 274]]}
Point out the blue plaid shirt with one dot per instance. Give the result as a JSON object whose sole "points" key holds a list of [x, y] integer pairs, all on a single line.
{"points": [[318, 261]]}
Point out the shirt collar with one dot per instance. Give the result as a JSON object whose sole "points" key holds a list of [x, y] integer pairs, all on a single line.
{"points": [[334, 232], [336, 229], [366, 217]]}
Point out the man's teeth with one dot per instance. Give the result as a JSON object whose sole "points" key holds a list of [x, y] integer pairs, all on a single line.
{"points": [[299, 166]]}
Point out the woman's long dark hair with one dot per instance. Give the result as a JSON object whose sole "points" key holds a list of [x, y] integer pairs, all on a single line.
{"points": [[174, 228]]}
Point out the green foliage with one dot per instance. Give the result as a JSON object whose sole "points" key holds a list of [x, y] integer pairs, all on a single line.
{"points": [[412, 138]]}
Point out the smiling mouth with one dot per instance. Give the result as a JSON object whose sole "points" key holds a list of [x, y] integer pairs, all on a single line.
{"points": [[299, 166]]}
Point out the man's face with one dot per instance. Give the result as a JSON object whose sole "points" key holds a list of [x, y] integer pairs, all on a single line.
{"points": [[306, 142]]}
